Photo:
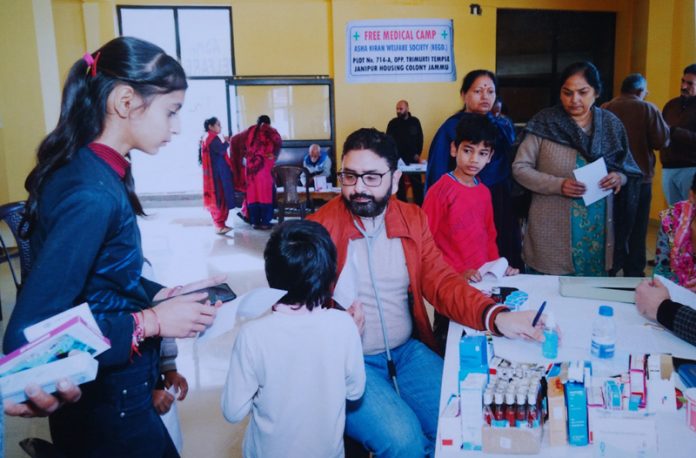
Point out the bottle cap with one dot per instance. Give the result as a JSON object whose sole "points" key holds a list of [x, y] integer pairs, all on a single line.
{"points": [[487, 398], [498, 398], [509, 398], [549, 321], [521, 398], [531, 398], [606, 310]]}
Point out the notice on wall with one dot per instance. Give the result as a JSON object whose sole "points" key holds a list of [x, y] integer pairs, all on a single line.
{"points": [[399, 50]]}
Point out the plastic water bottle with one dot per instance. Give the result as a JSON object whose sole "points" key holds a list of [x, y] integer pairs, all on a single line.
{"points": [[604, 333]]}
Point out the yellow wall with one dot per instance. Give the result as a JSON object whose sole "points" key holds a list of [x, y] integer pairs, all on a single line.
{"points": [[70, 34], [22, 106], [300, 37], [670, 46]]}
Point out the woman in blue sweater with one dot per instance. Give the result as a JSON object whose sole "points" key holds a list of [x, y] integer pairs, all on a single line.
{"points": [[81, 220]]}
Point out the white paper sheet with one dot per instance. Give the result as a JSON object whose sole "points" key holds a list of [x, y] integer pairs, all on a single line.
{"points": [[247, 306], [319, 183], [590, 175], [495, 268], [678, 293]]}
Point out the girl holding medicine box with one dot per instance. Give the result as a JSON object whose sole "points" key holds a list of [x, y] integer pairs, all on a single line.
{"points": [[81, 220]]}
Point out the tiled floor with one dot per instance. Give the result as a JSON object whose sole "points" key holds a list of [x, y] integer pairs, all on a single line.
{"points": [[181, 245]]}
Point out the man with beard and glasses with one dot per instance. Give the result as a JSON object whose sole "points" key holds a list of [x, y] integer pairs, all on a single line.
{"points": [[407, 132], [387, 256]]}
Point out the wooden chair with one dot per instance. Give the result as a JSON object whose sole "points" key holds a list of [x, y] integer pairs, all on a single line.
{"points": [[288, 176]]}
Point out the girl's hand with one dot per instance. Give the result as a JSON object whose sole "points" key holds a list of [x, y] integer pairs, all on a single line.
{"points": [[511, 271], [167, 293], [572, 188], [162, 401], [42, 404], [472, 275], [181, 316], [174, 378], [611, 181]]}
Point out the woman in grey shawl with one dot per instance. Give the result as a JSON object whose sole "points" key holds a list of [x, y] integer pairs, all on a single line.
{"points": [[564, 236]]}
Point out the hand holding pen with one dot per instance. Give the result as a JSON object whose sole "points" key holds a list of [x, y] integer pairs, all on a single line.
{"points": [[538, 314]]}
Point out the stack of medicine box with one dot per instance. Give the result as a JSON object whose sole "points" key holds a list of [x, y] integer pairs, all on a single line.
{"points": [[475, 353]]}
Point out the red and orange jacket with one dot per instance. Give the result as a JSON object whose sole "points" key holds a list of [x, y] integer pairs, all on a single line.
{"points": [[430, 276]]}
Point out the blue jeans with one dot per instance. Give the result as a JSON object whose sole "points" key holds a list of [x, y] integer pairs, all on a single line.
{"points": [[393, 426], [676, 183], [115, 416]]}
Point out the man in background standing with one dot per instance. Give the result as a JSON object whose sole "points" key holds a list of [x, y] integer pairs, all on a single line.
{"points": [[679, 158], [647, 131], [407, 133]]}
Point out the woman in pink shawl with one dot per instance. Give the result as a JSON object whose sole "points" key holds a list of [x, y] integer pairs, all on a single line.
{"points": [[262, 146], [675, 254]]}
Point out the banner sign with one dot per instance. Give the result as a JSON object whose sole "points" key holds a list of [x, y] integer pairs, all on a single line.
{"points": [[399, 50]]}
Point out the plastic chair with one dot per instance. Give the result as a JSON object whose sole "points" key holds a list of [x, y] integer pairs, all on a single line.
{"points": [[288, 176], [11, 214]]}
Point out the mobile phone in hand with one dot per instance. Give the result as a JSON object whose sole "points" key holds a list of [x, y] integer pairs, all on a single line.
{"points": [[221, 292]]}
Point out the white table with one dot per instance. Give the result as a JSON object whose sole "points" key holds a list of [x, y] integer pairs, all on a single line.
{"points": [[575, 317]]}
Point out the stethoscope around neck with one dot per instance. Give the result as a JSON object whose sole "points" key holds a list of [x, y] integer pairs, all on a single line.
{"points": [[369, 239]]}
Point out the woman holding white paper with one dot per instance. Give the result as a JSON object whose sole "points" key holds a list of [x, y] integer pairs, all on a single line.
{"points": [[564, 236]]}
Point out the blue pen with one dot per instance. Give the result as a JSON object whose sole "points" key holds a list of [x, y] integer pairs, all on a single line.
{"points": [[538, 314]]}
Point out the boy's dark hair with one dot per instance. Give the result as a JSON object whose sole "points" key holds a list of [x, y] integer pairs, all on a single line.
{"points": [[693, 183], [690, 69], [476, 128], [301, 259], [378, 142]]}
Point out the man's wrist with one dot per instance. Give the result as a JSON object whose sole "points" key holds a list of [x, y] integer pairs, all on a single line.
{"points": [[666, 312], [490, 317]]}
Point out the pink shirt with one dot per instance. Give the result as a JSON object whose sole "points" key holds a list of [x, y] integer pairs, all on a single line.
{"points": [[461, 220]]}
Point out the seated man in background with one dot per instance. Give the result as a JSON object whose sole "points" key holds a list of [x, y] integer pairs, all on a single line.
{"points": [[317, 162]]}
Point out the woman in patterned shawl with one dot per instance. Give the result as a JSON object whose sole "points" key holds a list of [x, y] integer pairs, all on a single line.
{"points": [[564, 236]]}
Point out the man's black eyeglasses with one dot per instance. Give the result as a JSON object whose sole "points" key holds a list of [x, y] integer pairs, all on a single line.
{"points": [[371, 179]]}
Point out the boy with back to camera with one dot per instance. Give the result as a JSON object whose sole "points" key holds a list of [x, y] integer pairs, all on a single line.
{"points": [[294, 368], [459, 206]]}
